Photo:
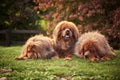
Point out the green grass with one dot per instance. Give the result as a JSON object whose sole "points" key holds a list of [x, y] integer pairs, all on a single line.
{"points": [[56, 69]]}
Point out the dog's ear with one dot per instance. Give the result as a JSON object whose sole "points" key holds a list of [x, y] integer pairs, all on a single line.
{"points": [[75, 33], [55, 33], [59, 27], [74, 30], [31, 47]]}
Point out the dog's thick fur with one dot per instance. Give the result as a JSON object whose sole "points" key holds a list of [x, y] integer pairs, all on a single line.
{"points": [[65, 35], [37, 46], [94, 46]]}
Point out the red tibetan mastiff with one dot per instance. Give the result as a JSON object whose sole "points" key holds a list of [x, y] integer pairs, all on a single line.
{"points": [[37, 46], [65, 36], [94, 46]]}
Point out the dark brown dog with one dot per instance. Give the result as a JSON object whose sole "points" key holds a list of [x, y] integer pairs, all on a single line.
{"points": [[37, 46], [94, 46], [65, 35]]}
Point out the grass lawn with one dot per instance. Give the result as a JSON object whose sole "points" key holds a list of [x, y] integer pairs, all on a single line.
{"points": [[55, 69]]}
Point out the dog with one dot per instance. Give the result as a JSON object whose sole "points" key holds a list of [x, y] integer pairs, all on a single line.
{"points": [[36, 47], [94, 46], [65, 36]]}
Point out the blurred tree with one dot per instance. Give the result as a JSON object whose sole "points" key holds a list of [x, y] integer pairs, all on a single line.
{"points": [[17, 14], [88, 15]]}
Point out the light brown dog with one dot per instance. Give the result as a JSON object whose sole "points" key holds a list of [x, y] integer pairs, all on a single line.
{"points": [[37, 46], [65, 35], [94, 46]]}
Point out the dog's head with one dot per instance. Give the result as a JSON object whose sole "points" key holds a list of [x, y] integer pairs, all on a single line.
{"points": [[90, 50], [46, 48], [65, 34]]}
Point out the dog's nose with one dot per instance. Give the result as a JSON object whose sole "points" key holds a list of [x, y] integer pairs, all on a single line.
{"points": [[50, 55], [67, 32], [86, 56]]}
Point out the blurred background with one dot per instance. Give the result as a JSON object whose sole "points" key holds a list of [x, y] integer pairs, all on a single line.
{"points": [[20, 19]]}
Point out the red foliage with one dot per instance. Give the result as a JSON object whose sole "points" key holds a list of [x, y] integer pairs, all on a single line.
{"points": [[115, 19], [103, 15]]}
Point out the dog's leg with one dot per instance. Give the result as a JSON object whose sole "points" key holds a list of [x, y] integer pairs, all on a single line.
{"points": [[56, 56], [68, 56], [21, 58], [105, 58]]}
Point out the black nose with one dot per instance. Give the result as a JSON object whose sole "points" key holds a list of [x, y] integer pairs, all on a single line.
{"points": [[67, 32], [50, 55], [86, 56]]}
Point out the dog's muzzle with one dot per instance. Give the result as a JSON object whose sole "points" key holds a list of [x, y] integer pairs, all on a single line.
{"points": [[67, 35]]}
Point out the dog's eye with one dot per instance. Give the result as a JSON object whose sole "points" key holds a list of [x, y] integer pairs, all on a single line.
{"points": [[47, 49]]}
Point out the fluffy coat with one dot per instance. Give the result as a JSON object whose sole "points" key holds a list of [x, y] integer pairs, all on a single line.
{"points": [[65, 36], [94, 46], [37, 46]]}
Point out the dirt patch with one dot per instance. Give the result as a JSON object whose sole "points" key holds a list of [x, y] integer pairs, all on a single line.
{"points": [[5, 70]]}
